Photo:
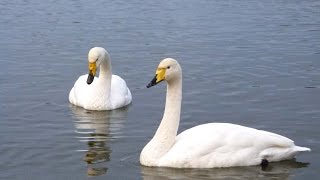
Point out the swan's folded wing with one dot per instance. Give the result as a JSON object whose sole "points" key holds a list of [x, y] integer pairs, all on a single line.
{"points": [[222, 145], [75, 95], [120, 93]]}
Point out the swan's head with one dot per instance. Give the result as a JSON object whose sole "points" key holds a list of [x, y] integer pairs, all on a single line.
{"points": [[169, 70], [95, 57]]}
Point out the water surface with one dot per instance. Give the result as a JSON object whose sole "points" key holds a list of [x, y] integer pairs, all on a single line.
{"points": [[251, 63]]}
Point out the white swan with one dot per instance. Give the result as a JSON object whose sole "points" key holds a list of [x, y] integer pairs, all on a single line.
{"points": [[105, 92], [207, 145]]}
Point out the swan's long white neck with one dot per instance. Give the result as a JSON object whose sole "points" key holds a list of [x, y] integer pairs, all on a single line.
{"points": [[105, 68], [166, 134], [105, 74], [170, 122]]}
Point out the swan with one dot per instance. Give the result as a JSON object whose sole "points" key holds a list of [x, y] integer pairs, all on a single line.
{"points": [[106, 92], [208, 145]]}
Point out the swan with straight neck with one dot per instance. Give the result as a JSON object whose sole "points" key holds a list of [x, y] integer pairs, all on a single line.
{"points": [[208, 145]]}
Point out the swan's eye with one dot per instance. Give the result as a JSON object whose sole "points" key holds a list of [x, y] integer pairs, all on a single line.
{"points": [[168, 67]]}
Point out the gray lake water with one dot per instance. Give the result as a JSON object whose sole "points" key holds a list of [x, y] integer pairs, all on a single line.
{"points": [[254, 63]]}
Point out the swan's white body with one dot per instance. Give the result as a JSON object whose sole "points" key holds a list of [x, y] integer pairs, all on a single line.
{"points": [[208, 145], [106, 92]]}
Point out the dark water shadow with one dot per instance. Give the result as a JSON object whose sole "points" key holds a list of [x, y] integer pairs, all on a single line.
{"points": [[279, 170], [97, 129]]}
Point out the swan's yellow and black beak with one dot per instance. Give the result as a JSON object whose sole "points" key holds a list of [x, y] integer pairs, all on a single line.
{"points": [[160, 76], [92, 72]]}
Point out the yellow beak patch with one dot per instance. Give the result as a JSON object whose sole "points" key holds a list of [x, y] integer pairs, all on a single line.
{"points": [[160, 74], [92, 68]]}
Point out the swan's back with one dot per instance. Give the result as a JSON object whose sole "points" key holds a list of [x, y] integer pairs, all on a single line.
{"points": [[225, 145]]}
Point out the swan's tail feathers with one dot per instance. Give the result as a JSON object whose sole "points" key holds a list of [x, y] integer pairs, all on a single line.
{"points": [[280, 153], [300, 149], [297, 149]]}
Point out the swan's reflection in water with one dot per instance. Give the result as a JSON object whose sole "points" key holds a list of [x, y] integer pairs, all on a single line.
{"points": [[279, 170], [97, 129]]}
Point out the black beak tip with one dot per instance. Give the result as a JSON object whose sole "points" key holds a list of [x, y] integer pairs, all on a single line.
{"points": [[90, 79], [153, 82]]}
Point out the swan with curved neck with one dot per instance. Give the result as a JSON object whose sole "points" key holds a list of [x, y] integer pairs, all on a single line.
{"points": [[105, 92], [207, 145]]}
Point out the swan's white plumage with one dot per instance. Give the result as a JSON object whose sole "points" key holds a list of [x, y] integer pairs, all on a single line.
{"points": [[104, 93], [93, 96], [208, 145], [226, 145]]}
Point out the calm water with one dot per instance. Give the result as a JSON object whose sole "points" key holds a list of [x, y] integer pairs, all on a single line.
{"points": [[252, 63]]}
